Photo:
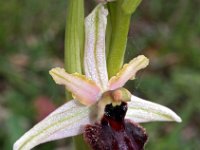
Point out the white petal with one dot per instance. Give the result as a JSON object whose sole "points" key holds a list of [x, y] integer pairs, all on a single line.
{"points": [[140, 110], [95, 59], [68, 120]]}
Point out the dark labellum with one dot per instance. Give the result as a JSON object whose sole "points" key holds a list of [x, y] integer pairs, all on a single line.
{"points": [[114, 132]]}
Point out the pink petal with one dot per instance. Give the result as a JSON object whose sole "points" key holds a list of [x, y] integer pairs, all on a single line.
{"points": [[83, 89], [128, 72]]}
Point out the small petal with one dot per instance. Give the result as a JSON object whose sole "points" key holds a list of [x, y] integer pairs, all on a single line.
{"points": [[83, 89], [140, 110], [95, 58], [68, 120], [128, 72]]}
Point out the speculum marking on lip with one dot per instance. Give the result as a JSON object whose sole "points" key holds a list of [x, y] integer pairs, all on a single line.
{"points": [[114, 132]]}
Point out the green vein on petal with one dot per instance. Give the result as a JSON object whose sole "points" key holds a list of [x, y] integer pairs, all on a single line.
{"points": [[94, 58], [66, 121], [140, 110]]}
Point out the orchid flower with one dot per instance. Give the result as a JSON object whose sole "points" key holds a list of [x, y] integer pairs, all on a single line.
{"points": [[93, 91]]}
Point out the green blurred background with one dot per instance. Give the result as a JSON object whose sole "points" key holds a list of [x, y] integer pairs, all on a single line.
{"points": [[31, 42]]}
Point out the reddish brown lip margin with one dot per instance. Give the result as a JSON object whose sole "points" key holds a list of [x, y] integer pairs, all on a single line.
{"points": [[101, 137]]}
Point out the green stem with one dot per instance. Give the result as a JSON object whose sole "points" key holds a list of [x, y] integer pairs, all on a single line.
{"points": [[79, 143], [74, 36], [74, 47], [120, 15]]}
